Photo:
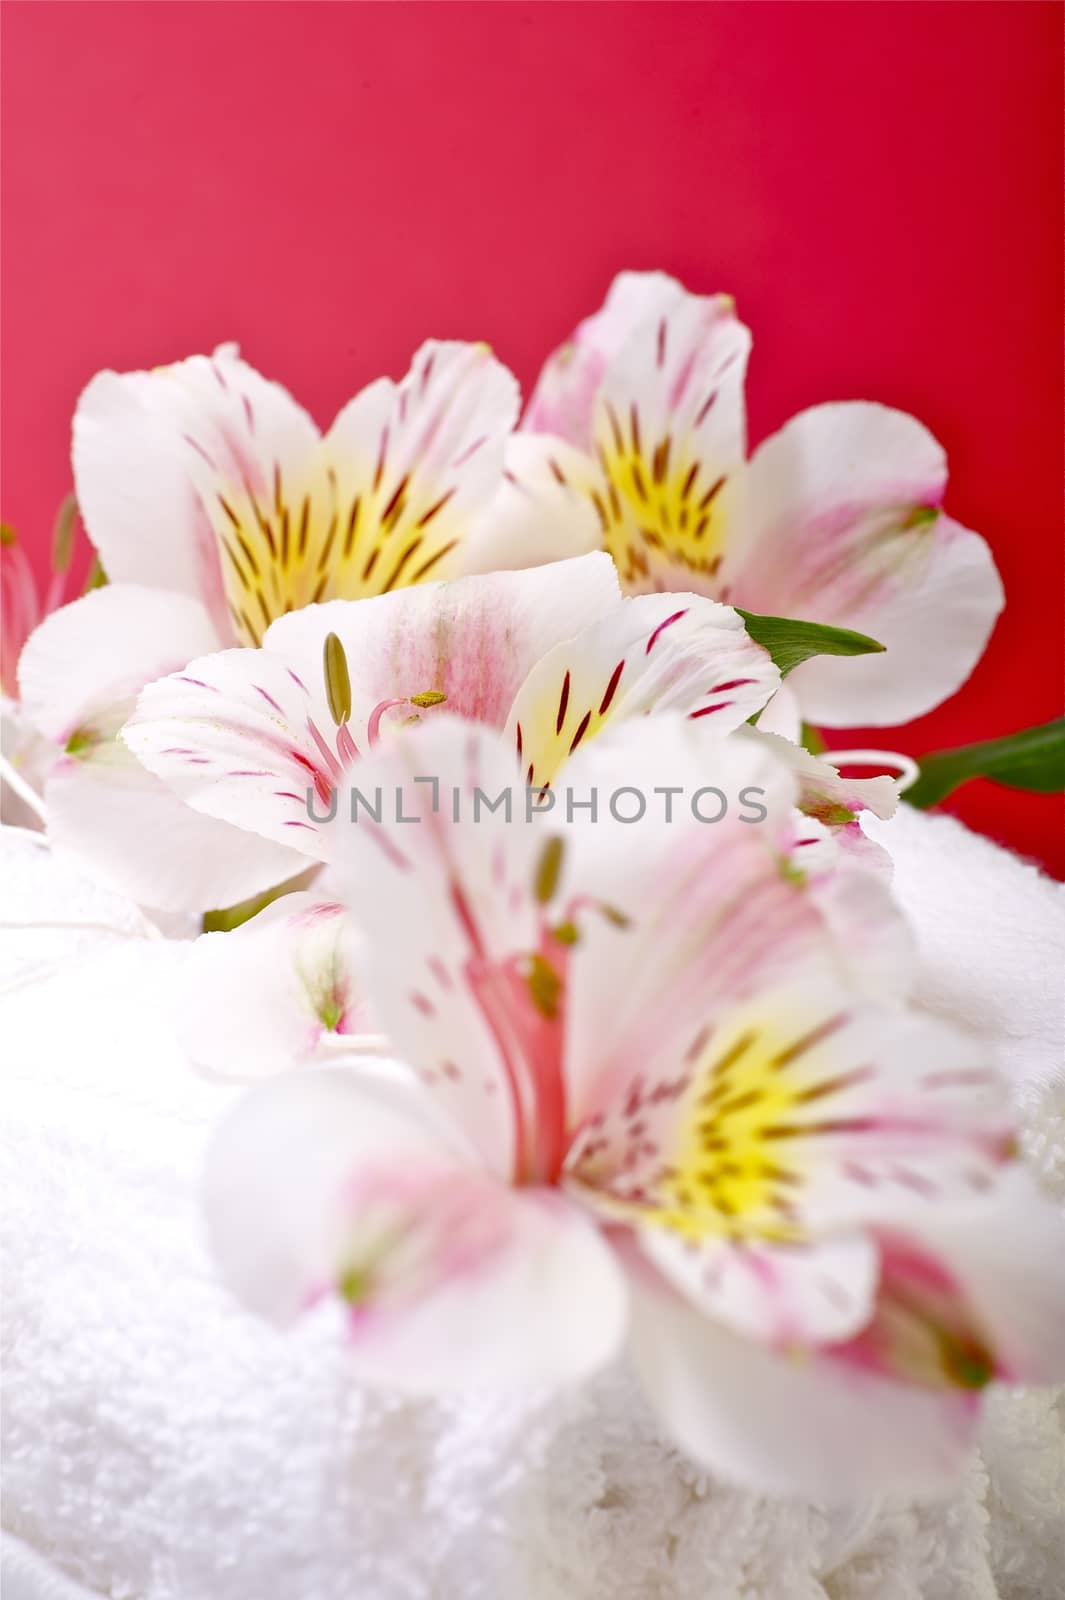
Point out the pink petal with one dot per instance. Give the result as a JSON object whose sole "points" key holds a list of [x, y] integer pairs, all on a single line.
{"points": [[837, 519], [816, 1426], [323, 1184]]}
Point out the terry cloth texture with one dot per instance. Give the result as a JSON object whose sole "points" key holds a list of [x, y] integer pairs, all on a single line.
{"points": [[160, 1444]]}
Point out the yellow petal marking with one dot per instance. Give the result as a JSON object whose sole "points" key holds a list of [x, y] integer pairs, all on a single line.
{"points": [[658, 506], [737, 1158]]}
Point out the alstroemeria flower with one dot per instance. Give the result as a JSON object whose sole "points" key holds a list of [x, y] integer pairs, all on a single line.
{"points": [[636, 440], [285, 987], [644, 1096], [205, 479], [266, 738], [215, 506]]}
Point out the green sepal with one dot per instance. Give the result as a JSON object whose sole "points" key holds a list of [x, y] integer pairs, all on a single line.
{"points": [[96, 578], [230, 917], [790, 642]]}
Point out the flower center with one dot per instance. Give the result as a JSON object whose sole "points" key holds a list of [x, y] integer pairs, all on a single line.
{"points": [[736, 1154], [657, 505], [338, 755]]}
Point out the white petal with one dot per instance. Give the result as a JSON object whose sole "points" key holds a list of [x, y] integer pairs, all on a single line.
{"points": [[29, 755], [818, 1427], [837, 520], [156, 452], [119, 824], [90, 659], [670, 431], [549, 1305], [782, 715], [679, 916], [447, 900], [415, 465], [563, 401], [80, 673], [710, 910], [849, 880], [544, 509], [934, 633], [780, 1295], [652, 653], [234, 735], [474, 639], [836, 857], [1008, 1260], [320, 1182], [823, 792], [262, 997]]}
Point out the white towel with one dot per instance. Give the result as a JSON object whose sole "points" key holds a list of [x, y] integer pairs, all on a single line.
{"points": [[160, 1444]]}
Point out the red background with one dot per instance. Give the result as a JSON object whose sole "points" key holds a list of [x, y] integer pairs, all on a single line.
{"points": [[880, 186]]}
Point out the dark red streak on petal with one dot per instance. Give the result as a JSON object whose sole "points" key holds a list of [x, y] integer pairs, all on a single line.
{"points": [[668, 623], [615, 679]]}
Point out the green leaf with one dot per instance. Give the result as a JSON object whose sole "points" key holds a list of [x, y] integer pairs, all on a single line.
{"points": [[790, 642], [1033, 759]]}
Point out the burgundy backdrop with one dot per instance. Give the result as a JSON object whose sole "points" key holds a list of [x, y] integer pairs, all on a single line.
{"points": [[879, 185]]}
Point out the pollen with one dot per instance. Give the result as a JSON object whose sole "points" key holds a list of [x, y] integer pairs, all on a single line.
{"points": [[966, 1364], [355, 1286], [545, 986], [337, 679], [548, 869]]}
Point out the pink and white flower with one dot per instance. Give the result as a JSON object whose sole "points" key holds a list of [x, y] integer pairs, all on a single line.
{"points": [[215, 506], [265, 738], [645, 1100], [205, 479], [635, 439]]}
